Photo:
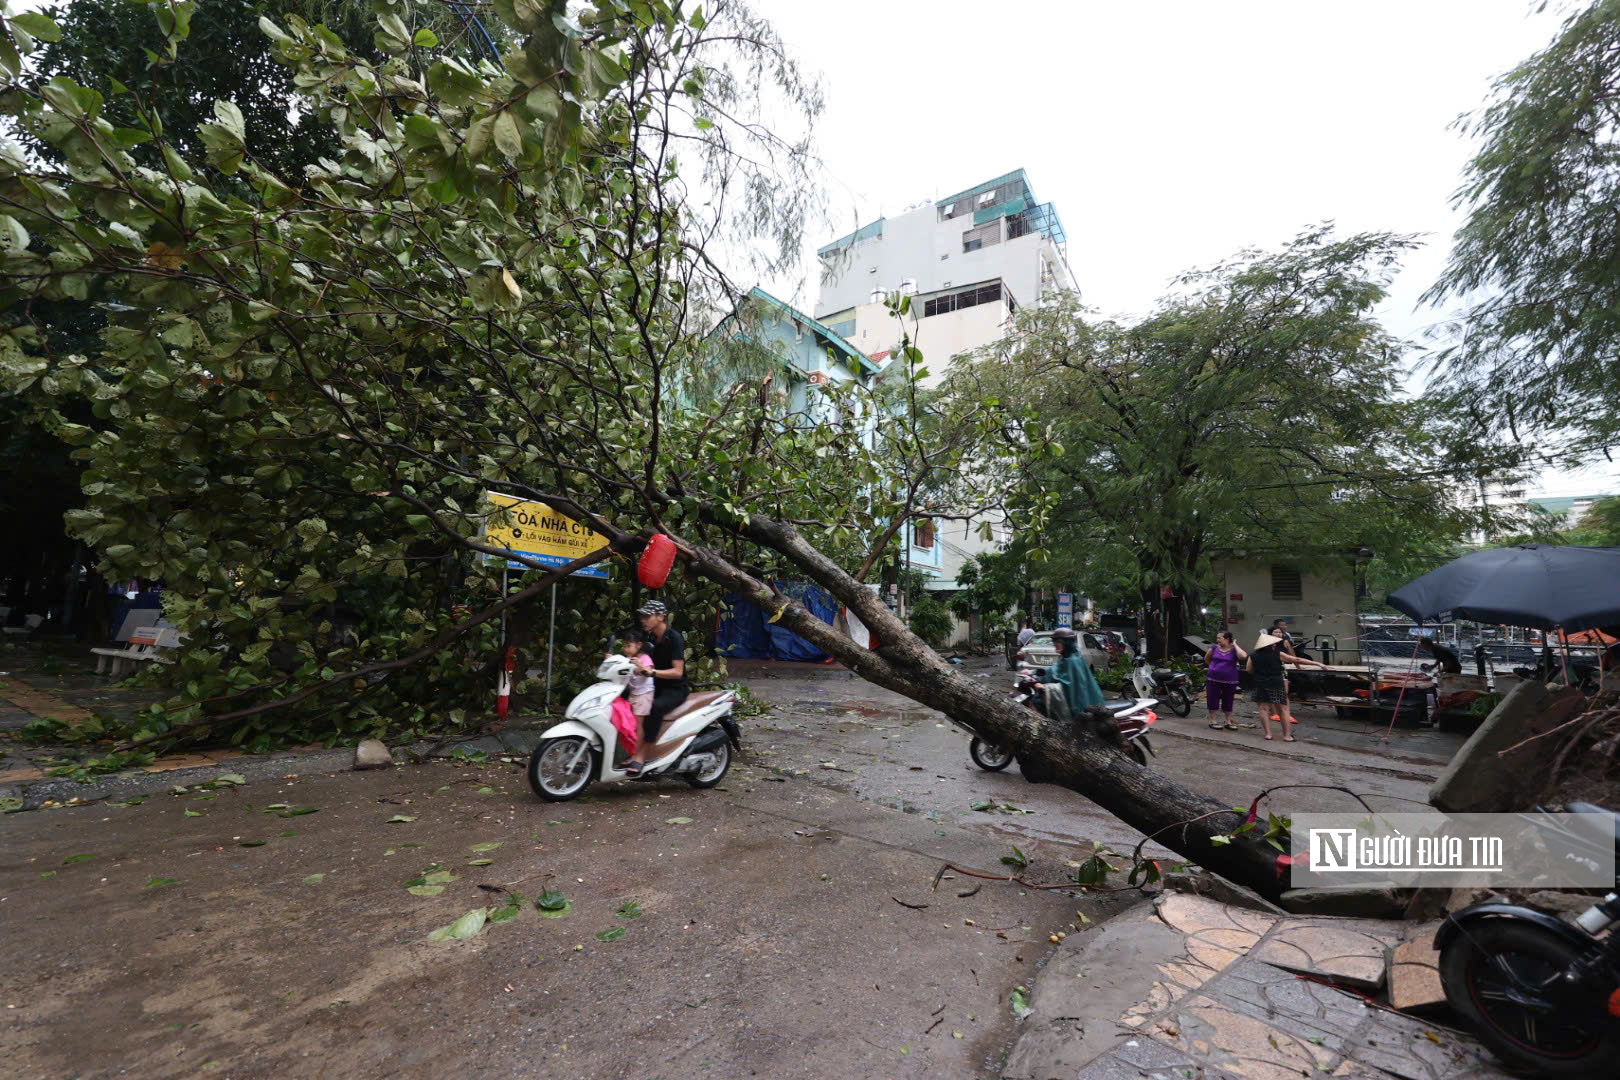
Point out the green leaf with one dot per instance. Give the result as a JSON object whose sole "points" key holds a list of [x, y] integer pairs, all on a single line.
{"points": [[1020, 1003], [1017, 858], [253, 843], [508, 911], [425, 39], [13, 237], [193, 813], [487, 845], [425, 890], [38, 25], [612, 933], [399, 819], [314, 879], [553, 904], [230, 778], [628, 910], [982, 804], [465, 927], [299, 811], [480, 862], [48, 873], [678, 821], [85, 857], [160, 882]]}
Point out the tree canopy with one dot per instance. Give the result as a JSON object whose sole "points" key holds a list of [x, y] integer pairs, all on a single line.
{"points": [[1535, 267], [1255, 411]]}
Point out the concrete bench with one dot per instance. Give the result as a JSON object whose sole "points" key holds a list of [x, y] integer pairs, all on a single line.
{"points": [[149, 644], [30, 624]]}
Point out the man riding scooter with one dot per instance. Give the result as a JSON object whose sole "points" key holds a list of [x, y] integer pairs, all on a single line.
{"points": [[669, 679]]}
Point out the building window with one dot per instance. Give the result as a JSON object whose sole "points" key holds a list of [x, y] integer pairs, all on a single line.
{"points": [[970, 297], [1285, 583], [982, 237], [923, 535]]}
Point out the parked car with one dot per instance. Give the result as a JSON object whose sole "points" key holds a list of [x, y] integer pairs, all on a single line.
{"points": [[1098, 648]]}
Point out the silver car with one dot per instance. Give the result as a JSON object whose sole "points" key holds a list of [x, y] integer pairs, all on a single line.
{"points": [[1042, 651]]}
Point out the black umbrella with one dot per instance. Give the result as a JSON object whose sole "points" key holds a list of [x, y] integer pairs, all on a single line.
{"points": [[1542, 586]]}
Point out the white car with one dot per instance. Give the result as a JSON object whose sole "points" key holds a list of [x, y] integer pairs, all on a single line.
{"points": [[1042, 651]]}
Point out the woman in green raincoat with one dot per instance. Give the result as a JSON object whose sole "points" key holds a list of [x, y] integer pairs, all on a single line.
{"points": [[1073, 673]]}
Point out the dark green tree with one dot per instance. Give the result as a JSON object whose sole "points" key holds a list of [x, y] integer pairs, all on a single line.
{"points": [[1255, 411], [1536, 264]]}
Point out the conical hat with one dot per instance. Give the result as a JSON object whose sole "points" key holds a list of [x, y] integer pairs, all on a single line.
{"points": [[1265, 641]]}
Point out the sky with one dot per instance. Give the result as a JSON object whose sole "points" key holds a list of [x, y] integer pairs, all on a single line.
{"points": [[1169, 134]]}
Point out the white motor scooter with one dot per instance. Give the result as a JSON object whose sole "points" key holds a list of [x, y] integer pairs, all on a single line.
{"points": [[583, 747]]}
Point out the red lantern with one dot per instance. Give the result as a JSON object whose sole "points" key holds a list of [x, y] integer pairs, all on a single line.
{"points": [[653, 568]]}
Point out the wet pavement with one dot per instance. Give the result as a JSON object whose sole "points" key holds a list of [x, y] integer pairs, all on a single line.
{"points": [[773, 926], [838, 731]]}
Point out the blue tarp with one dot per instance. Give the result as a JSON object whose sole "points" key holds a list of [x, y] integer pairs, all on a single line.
{"points": [[744, 633]]}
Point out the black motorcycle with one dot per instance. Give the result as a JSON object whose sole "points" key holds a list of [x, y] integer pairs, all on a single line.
{"points": [[1168, 686], [1543, 994]]}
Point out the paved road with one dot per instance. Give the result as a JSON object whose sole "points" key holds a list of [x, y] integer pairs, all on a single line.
{"points": [[203, 933]]}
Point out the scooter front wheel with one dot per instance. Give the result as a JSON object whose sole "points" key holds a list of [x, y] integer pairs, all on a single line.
{"points": [[987, 757], [558, 771]]}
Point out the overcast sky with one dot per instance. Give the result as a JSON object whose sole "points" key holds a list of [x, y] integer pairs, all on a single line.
{"points": [[1168, 134]]}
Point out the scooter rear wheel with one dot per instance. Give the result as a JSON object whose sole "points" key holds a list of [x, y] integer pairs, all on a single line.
{"points": [[549, 774], [987, 757], [715, 773], [1136, 753], [1179, 701]]}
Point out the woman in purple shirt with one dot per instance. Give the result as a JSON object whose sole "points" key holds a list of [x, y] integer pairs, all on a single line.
{"points": [[1220, 684]]}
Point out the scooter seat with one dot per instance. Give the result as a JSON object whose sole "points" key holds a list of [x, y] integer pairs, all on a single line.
{"points": [[695, 702], [1121, 703]]}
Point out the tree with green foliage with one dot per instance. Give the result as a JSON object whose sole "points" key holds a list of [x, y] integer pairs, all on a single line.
{"points": [[1254, 412], [1536, 264], [995, 585], [317, 379]]}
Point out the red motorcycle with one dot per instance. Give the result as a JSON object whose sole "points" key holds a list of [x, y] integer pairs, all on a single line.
{"points": [[1133, 718]]}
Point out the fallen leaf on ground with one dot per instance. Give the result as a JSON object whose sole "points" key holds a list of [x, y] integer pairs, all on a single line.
{"points": [[159, 882], [300, 811], [425, 890], [83, 857], [465, 927], [488, 845], [253, 843], [230, 778], [314, 879], [628, 910], [193, 813], [480, 862], [678, 821], [1020, 1003], [399, 819]]}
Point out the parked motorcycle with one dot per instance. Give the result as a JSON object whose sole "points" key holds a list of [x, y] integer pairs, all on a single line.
{"points": [[1543, 994], [585, 745], [1133, 717], [1166, 685]]}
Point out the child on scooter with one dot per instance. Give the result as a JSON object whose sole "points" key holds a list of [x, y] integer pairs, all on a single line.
{"points": [[640, 690]]}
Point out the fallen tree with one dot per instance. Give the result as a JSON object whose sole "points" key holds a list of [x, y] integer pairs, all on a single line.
{"points": [[315, 380]]}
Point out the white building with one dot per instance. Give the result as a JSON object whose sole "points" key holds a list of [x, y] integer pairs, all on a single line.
{"points": [[969, 262]]}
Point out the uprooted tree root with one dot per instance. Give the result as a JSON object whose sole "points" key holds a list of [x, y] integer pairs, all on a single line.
{"points": [[1586, 766]]}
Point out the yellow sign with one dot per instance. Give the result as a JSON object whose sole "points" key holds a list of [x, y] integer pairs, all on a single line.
{"points": [[541, 533]]}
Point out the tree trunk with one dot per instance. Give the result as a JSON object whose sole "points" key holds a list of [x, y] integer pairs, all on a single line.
{"points": [[1048, 752]]}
